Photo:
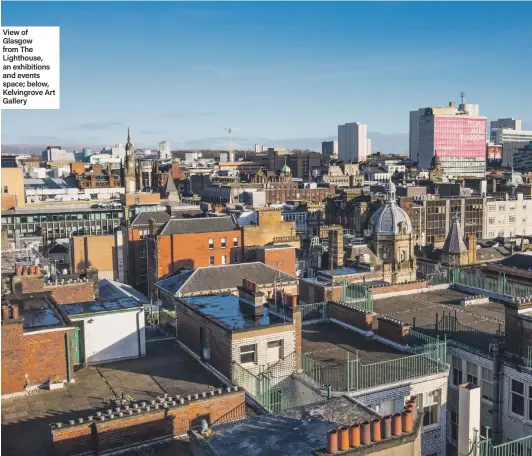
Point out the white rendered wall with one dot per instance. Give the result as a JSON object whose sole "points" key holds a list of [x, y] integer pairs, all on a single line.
{"points": [[113, 336]]}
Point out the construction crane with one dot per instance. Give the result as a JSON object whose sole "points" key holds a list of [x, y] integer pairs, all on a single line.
{"points": [[230, 130]]}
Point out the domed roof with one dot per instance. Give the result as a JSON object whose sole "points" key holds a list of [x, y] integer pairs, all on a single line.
{"points": [[286, 169], [386, 221]]}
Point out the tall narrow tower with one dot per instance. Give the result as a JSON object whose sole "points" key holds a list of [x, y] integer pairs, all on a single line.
{"points": [[130, 183]]}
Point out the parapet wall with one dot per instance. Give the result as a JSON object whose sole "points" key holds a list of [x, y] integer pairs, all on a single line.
{"points": [[137, 423]]}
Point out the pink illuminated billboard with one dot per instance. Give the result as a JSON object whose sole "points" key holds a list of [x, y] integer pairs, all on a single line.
{"points": [[460, 137]]}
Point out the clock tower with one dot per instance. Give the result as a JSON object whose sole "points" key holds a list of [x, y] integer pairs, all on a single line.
{"points": [[130, 181]]}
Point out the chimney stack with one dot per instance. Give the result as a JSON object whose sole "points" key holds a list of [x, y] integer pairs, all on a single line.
{"points": [[251, 300], [469, 416]]}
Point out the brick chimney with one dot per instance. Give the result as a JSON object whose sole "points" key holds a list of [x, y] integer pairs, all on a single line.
{"points": [[251, 300], [336, 247]]}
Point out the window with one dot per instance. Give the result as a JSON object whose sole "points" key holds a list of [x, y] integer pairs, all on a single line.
{"points": [[472, 372], [491, 221], [143, 252], [511, 219], [518, 398], [275, 351], [5, 188], [530, 403], [211, 261], [247, 354], [223, 242], [457, 370], [235, 242], [211, 244], [487, 384], [454, 425], [429, 405], [491, 207], [223, 259]]}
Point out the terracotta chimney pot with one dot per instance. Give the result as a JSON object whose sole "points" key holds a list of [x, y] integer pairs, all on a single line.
{"points": [[332, 441]]}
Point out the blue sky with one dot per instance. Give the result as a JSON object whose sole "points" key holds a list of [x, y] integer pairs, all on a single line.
{"points": [[281, 72]]}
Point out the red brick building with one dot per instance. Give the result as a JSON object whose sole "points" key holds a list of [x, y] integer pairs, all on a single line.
{"points": [[36, 345], [135, 246], [282, 257], [193, 243]]}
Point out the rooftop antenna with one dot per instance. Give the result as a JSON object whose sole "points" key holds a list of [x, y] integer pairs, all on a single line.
{"points": [[462, 96], [230, 130]]}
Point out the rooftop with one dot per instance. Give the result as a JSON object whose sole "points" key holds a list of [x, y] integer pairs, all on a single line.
{"points": [[226, 309], [341, 271], [519, 261], [198, 225], [269, 435], [63, 209], [328, 343], [212, 279], [165, 369], [425, 307], [143, 218], [111, 290], [38, 312], [92, 307], [338, 410]]}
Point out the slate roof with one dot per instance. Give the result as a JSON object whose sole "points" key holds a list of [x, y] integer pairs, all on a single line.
{"points": [[519, 260], [489, 253], [110, 290], [198, 225], [143, 218], [215, 278], [454, 242]]}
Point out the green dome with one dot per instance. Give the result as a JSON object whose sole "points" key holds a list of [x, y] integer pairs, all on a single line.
{"points": [[286, 169]]}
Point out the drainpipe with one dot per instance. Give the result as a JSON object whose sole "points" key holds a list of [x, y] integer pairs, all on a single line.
{"points": [[68, 360], [496, 408], [138, 332]]}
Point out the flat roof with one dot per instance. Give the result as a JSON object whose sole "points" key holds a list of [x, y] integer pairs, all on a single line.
{"points": [[425, 306], [227, 310], [328, 343], [269, 435], [38, 313], [58, 210], [166, 368], [91, 307], [271, 247], [342, 271]]}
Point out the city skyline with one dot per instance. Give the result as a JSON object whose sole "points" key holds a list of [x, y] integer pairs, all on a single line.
{"points": [[285, 74]]}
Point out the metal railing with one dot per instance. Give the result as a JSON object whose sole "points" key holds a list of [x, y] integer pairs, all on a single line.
{"points": [[496, 285], [314, 311], [352, 375], [519, 447], [357, 295], [265, 387], [429, 362]]}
